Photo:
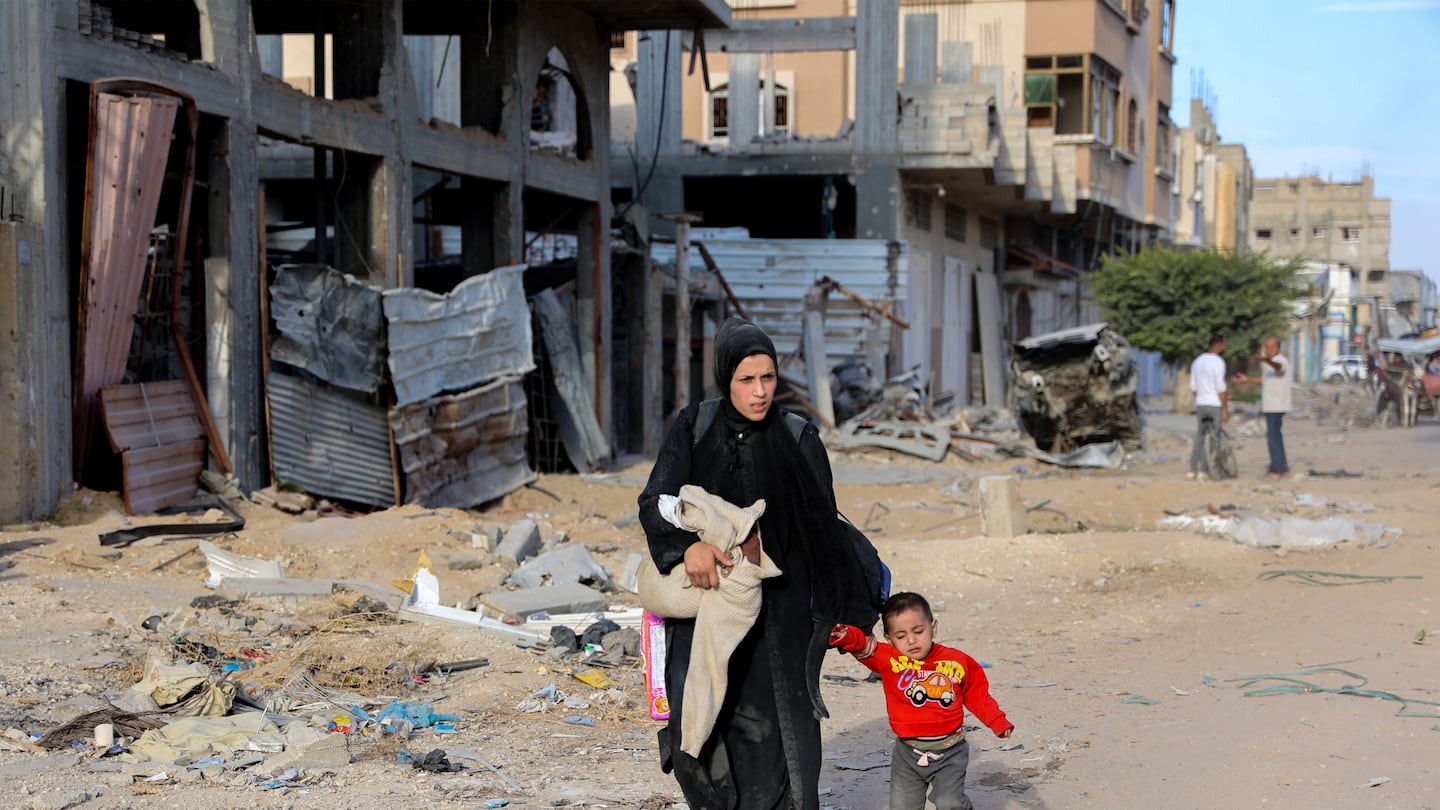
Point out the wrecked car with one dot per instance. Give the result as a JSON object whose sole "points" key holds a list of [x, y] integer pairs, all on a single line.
{"points": [[1076, 387]]}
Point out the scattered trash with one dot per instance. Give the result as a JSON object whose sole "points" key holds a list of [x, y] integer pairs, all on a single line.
{"points": [[1140, 699], [1334, 474], [435, 761], [578, 720], [1109, 455], [225, 565], [1332, 578], [1290, 683], [1035, 685], [1012, 747], [1376, 781], [1284, 532]]}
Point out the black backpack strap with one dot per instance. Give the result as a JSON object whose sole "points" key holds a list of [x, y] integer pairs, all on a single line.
{"points": [[703, 419]]}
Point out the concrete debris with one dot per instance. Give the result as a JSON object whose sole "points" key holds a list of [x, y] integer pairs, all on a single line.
{"points": [[1109, 455], [920, 439], [631, 617], [564, 565], [552, 599], [465, 562], [521, 541], [1285, 532], [423, 605], [292, 502], [224, 565]]}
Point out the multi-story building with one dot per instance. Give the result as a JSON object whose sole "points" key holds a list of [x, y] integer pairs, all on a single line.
{"points": [[1214, 182], [1010, 144], [356, 157], [1330, 223]]}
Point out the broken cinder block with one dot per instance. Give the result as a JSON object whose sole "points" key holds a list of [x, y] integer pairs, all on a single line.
{"points": [[521, 542], [564, 565]]}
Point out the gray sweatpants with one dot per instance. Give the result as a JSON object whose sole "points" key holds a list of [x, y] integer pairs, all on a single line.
{"points": [[1202, 412], [944, 772]]}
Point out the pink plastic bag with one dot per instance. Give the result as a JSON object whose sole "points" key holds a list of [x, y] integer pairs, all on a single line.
{"points": [[652, 649]]}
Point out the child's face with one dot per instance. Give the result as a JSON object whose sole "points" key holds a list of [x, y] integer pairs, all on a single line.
{"points": [[911, 633]]}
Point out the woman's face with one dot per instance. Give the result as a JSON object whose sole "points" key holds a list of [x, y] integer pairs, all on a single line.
{"points": [[752, 387]]}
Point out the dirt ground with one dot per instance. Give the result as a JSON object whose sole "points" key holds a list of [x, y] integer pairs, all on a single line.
{"points": [[1121, 651]]}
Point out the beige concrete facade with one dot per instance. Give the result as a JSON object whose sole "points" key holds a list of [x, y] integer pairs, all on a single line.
{"points": [[1214, 183], [1309, 218]]}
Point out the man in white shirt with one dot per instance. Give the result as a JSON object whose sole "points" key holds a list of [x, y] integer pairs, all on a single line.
{"points": [[1275, 388], [1212, 398]]}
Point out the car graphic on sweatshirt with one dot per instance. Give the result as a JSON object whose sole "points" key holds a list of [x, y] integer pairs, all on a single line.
{"points": [[935, 686]]}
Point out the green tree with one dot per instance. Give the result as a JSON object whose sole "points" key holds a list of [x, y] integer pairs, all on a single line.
{"points": [[1171, 301]]}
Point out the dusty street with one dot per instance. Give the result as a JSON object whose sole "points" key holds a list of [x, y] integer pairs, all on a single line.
{"points": [[1100, 640]]}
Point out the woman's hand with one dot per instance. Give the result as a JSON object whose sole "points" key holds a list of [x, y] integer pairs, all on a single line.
{"points": [[700, 561]]}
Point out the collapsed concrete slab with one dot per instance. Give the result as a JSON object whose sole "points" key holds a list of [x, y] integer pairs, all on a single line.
{"points": [[553, 599]]}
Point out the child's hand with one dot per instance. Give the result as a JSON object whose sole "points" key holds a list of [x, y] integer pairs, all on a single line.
{"points": [[1006, 733], [847, 638]]}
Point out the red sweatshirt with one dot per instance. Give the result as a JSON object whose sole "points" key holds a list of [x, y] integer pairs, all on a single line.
{"points": [[928, 698]]}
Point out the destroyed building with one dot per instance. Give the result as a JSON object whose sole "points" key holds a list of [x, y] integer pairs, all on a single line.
{"points": [[259, 120], [1007, 145]]}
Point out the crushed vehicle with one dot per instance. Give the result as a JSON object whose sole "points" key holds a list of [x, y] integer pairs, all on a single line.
{"points": [[1076, 387]]}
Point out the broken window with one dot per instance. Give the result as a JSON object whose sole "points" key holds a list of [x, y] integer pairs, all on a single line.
{"points": [[558, 115], [1167, 25], [1318, 233], [1350, 234], [720, 110], [917, 209], [1076, 94], [1162, 138], [955, 224], [1263, 234]]}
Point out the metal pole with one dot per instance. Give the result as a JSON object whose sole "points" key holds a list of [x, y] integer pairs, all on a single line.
{"points": [[682, 222]]}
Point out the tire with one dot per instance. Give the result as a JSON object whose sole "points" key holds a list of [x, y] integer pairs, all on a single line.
{"points": [[1225, 458], [1335, 378], [1218, 455]]}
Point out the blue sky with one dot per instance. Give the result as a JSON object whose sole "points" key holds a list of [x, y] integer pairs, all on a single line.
{"points": [[1332, 86]]}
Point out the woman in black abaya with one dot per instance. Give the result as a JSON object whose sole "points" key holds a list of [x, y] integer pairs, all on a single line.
{"points": [[764, 752]]}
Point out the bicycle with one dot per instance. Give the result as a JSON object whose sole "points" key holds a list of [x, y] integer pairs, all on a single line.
{"points": [[1217, 455]]}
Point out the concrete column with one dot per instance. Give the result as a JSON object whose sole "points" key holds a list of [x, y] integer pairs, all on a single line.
{"points": [[922, 33], [817, 360], [878, 200], [658, 108], [876, 76], [1001, 512], [956, 59], [744, 98], [592, 309], [652, 373], [232, 269], [35, 382]]}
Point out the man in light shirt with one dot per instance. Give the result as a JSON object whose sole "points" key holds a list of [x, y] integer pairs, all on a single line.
{"points": [[1275, 386], [1212, 398]]}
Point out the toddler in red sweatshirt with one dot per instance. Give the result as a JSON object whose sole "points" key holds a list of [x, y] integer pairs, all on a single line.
{"points": [[928, 687]]}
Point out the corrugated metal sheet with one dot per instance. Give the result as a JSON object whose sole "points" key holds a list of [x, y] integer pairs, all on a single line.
{"points": [[331, 443], [450, 343], [466, 449], [149, 414], [131, 142], [771, 277], [157, 477], [330, 325], [156, 429]]}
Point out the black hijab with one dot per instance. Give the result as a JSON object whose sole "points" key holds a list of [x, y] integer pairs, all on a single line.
{"points": [[834, 578]]}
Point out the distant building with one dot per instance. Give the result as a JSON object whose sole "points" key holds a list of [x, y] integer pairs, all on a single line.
{"points": [[1214, 183], [1310, 219]]}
